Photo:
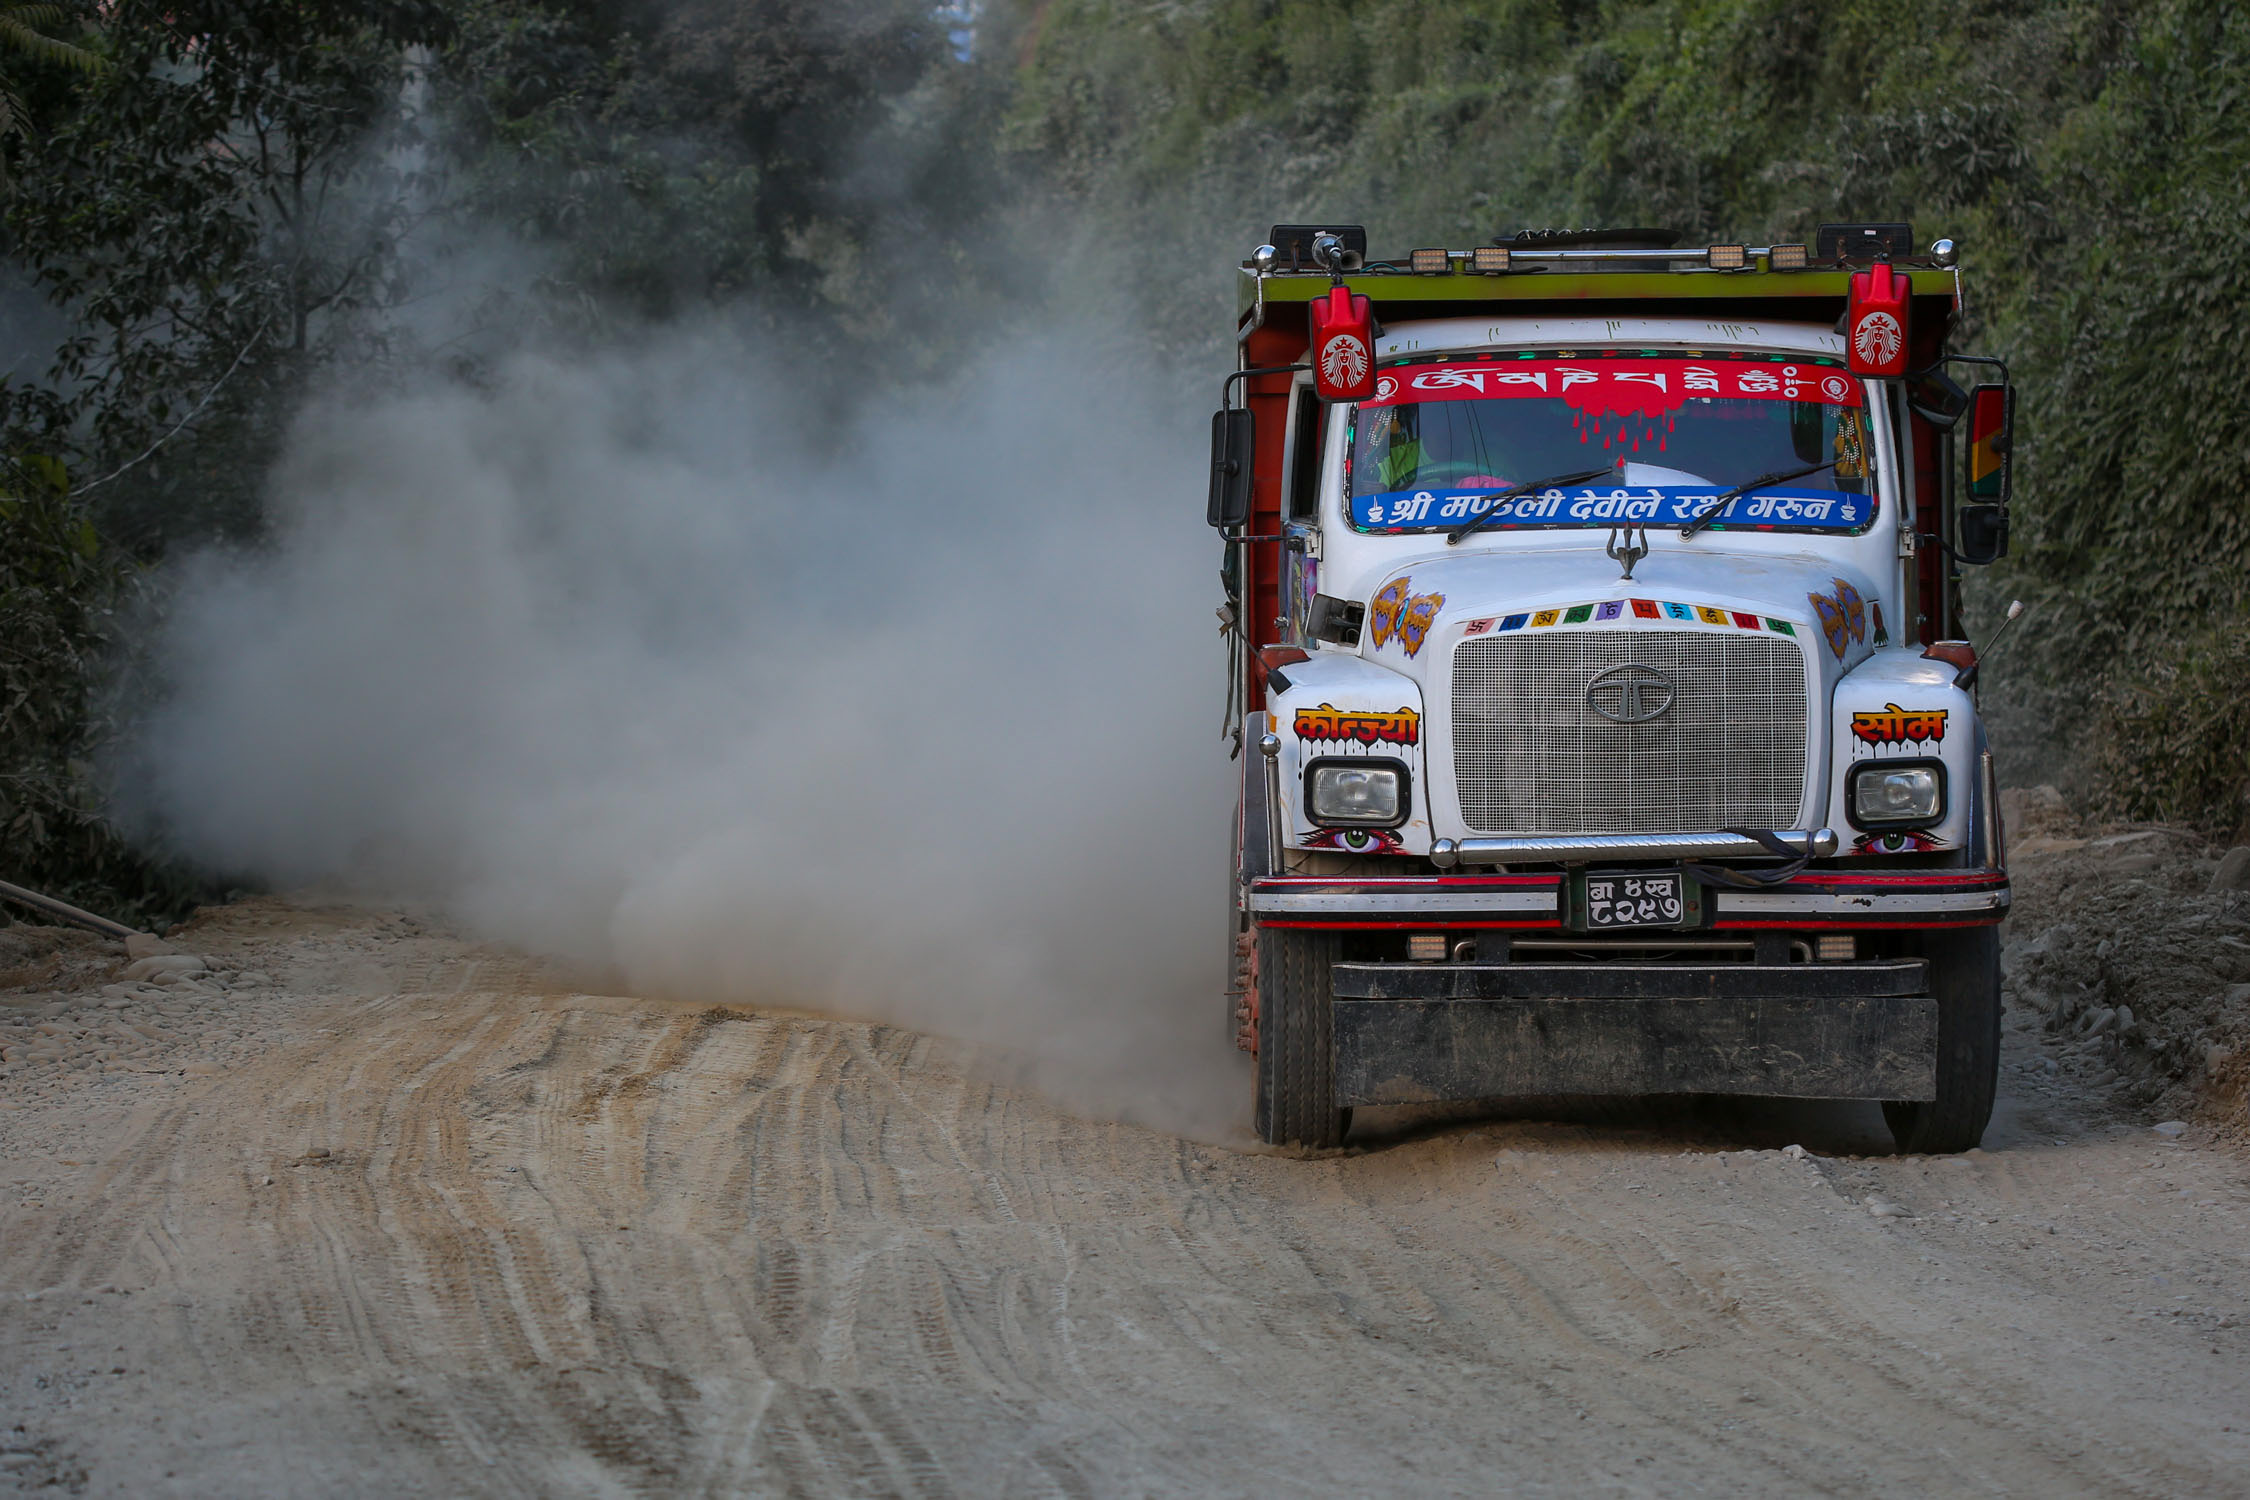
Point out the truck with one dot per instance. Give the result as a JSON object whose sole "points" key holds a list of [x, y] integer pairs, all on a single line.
{"points": [[1598, 683]]}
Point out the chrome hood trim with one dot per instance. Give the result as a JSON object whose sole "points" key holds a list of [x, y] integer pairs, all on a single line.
{"points": [[1820, 843]]}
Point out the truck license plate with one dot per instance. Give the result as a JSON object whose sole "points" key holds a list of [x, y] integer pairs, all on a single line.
{"points": [[1620, 899]]}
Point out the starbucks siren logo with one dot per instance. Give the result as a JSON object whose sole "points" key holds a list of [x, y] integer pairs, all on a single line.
{"points": [[1877, 338], [1343, 361]]}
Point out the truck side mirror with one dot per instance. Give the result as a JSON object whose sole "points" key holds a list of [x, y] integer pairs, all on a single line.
{"points": [[1983, 520], [1233, 452], [1984, 533], [1936, 399]]}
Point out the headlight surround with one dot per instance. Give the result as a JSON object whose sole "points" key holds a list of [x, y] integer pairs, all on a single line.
{"points": [[1357, 793], [1897, 794]]}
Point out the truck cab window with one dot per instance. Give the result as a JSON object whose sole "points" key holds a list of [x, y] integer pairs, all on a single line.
{"points": [[1440, 443], [1304, 456]]}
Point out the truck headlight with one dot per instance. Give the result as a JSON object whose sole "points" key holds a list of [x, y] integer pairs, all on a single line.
{"points": [[1898, 794], [1358, 793]]}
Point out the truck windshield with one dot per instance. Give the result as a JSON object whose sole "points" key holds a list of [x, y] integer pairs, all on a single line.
{"points": [[1441, 441]]}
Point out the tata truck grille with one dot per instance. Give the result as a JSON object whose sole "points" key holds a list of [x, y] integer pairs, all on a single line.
{"points": [[1540, 747]]}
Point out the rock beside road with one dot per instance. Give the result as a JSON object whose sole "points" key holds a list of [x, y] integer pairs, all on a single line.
{"points": [[146, 945], [163, 968]]}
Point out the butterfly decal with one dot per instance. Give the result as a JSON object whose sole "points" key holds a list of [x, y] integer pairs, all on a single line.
{"points": [[1832, 622], [1389, 603], [1421, 614], [1397, 612], [1855, 608]]}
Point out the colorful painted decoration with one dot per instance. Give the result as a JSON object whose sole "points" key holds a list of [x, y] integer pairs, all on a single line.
{"points": [[1421, 614], [1640, 386], [1842, 616], [1330, 723], [1356, 840], [1781, 508], [1855, 609], [1385, 608], [1608, 611], [1397, 612], [1831, 617], [1907, 842], [1892, 725]]}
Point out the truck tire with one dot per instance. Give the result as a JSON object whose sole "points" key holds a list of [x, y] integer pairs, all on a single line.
{"points": [[1965, 979], [1296, 1100]]}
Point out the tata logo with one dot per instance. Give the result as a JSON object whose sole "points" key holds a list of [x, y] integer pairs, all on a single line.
{"points": [[1631, 694]]}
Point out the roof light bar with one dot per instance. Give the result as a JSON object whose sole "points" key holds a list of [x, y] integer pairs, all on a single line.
{"points": [[1727, 257], [1785, 258], [1489, 260], [1430, 262]]}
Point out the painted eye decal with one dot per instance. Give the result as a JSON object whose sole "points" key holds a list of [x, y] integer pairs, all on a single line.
{"points": [[1356, 840], [1908, 842]]}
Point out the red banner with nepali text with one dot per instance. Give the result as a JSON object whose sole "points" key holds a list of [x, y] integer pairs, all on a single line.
{"points": [[1643, 387]]}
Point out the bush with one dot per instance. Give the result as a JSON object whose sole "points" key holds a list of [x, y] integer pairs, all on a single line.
{"points": [[59, 591], [2174, 746]]}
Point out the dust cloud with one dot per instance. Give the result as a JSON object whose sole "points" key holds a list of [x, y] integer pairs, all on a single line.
{"points": [[731, 680]]}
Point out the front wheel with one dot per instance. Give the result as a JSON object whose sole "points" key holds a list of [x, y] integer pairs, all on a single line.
{"points": [[1965, 979], [1296, 1100]]}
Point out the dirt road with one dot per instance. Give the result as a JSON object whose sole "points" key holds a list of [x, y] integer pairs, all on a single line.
{"points": [[367, 1209]]}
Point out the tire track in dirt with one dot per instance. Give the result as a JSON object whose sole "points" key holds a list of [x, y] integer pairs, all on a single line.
{"points": [[563, 1243]]}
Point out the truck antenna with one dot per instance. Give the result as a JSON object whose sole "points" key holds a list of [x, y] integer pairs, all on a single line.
{"points": [[1967, 676]]}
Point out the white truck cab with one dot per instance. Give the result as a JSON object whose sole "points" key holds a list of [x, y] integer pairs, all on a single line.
{"points": [[1602, 730]]}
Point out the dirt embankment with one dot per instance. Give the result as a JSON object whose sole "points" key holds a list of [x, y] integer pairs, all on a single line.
{"points": [[2132, 946], [362, 1208]]}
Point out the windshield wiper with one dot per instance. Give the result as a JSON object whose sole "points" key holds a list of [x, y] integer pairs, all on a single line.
{"points": [[1453, 537], [1710, 513]]}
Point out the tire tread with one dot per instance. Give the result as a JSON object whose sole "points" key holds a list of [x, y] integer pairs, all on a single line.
{"points": [[1965, 979], [1296, 1098]]}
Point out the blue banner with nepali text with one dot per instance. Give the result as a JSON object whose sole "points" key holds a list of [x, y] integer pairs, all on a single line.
{"points": [[1781, 508]]}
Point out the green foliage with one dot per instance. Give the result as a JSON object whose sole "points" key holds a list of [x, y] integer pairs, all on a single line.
{"points": [[2175, 746], [2088, 154], [252, 198], [26, 34], [217, 212], [681, 157], [58, 589]]}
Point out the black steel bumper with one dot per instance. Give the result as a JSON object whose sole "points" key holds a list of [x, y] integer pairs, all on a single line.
{"points": [[1411, 1033]]}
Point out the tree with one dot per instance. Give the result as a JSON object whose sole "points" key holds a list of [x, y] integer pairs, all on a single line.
{"points": [[25, 34], [223, 201]]}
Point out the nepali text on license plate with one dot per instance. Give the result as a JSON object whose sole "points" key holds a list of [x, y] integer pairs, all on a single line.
{"points": [[1635, 900]]}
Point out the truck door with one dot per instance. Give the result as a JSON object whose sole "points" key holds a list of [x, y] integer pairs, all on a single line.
{"points": [[1300, 549]]}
